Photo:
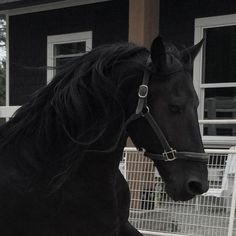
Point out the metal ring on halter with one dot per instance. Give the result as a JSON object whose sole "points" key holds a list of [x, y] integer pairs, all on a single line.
{"points": [[145, 110], [143, 91], [170, 155]]}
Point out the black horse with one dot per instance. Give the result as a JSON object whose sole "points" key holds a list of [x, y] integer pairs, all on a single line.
{"points": [[60, 152]]}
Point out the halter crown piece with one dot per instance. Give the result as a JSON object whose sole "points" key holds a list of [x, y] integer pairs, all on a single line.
{"points": [[142, 111]]}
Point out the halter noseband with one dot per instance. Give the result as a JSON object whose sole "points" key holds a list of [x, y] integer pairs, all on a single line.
{"points": [[142, 111]]}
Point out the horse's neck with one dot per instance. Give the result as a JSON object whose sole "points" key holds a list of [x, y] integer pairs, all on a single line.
{"points": [[103, 164], [111, 145]]}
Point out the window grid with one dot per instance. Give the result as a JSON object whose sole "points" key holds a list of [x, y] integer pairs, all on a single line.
{"points": [[201, 25]]}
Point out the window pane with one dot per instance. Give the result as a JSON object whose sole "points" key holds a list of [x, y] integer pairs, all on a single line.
{"points": [[220, 55], [220, 130], [70, 48], [220, 103], [61, 61]]}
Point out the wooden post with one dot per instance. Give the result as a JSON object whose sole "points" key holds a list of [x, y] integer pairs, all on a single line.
{"points": [[143, 21]]}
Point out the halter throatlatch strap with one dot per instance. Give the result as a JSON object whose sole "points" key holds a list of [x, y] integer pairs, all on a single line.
{"points": [[142, 111]]}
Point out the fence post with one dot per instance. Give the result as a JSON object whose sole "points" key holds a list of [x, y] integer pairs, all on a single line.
{"points": [[232, 209]]}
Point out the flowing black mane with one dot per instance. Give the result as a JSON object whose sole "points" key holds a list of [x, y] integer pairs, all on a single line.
{"points": [[81, 93], [77, 106]]}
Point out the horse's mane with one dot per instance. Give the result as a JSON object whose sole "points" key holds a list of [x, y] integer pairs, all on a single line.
{"points": [[78, 103]]}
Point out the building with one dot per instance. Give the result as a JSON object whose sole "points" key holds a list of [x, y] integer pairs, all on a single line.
{"points": [[46, 32]]}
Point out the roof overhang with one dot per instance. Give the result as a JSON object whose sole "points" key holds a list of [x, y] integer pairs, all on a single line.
{"points": [[13, 4], [16, 7]]}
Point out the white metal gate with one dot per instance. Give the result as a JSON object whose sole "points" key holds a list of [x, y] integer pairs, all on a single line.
{"points": [[154, 213]]}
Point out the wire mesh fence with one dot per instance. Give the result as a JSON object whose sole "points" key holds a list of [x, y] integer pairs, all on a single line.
{"points": [[154, 213]]}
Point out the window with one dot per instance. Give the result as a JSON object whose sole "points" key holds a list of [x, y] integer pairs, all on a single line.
{"points": [[215, 78], [62, 48]]}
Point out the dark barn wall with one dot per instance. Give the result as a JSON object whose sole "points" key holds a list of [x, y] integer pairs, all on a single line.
{"points": [[28, 39], [177, 17]]}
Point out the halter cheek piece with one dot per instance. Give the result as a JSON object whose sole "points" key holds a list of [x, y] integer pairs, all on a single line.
{"points": [[142, 111]]}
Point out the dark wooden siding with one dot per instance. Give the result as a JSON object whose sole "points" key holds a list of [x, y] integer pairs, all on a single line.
{"points": [[177, 16], [28, 39]]}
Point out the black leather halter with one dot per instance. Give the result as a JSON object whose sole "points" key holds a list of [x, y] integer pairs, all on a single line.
{"points": [[142, 111]]}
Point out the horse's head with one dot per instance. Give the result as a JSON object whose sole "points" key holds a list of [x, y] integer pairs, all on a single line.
{"points": [[166, 120]]}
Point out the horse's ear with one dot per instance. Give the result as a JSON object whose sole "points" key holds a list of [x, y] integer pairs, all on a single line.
{"points": [[192, 51], [158, 51]]}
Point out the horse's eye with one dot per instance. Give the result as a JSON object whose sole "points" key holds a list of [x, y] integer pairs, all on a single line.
{"points": [[175, 108]]}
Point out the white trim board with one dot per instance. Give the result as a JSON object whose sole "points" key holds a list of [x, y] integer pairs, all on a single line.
{"points": [[7, 111], [215, 21], [7, 63], [49, 6], [71, 37]]}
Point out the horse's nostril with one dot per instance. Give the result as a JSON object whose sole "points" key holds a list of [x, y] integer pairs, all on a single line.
{"points": [[195, 187]]}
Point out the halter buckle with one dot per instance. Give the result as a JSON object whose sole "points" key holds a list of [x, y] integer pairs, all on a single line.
{"points": [[170, 155], [143, 91]]}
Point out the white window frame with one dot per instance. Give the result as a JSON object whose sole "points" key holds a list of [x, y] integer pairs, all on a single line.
{"points": [[200, 25], [61, 39], [7, 111]]}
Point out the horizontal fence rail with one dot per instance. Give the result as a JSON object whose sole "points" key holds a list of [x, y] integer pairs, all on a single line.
{"points": [[154, 213], [219, 121], [7, 111], [227, 151]]}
